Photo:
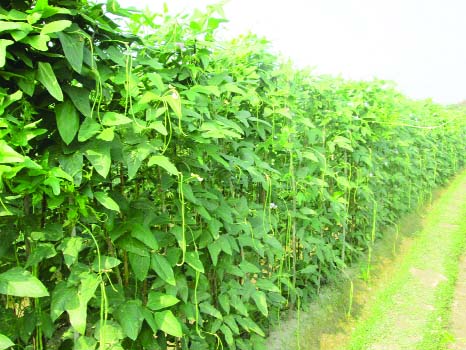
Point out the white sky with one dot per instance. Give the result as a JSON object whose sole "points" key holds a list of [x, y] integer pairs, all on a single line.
{"points": [[419, 44]]}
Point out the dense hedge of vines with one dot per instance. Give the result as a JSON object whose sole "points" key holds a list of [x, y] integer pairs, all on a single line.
{"points": [[161, 190]]}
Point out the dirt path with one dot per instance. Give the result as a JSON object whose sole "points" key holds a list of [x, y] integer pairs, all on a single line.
{"points": [[411, 303], [412, 310]]}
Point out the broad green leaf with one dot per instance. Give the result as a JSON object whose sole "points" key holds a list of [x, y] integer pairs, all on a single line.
{"points": [[40, 252], [85, 343], [10, 25], [5, 342], [80, 98], [110, 334], [77, 308], [100, 159], [134, 156], [208, 309], [54, 184], [163, 162], [20, 283], [8, 154], [41, 5], [227, 333], [108, 134], [104, 199], [3, 45], [174, 102], [18, 35], [159, 127], [61, 296], [158, 301], [130, 317], [67, 121], [214, 250], [224, 302], [168, 323], [192, 258], [161, 265], [267, 285], [248, 267], [140, 265], [71, 246], [48, 79], [39, 42], [56, 26], [238, 304], [105, 263], [144, 234], [249, 325], [89, 128], [113, 119], [261, 302], [73, 47]]}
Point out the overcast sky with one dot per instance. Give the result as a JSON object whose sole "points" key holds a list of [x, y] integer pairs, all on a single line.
{"points": [[419, 44]]}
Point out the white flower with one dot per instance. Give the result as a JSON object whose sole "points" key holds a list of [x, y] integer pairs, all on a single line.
{"points": [[273, 205]]}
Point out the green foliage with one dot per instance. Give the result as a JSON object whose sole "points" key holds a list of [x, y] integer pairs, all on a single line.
{"points": [[156, 189]]}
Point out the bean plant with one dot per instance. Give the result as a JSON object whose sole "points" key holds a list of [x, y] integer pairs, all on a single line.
{"points": [[160, 189]]}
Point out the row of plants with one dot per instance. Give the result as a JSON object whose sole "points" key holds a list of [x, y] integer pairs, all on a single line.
{"points": [[163, 190]]}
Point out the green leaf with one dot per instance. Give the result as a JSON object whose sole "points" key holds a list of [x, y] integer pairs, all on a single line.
{"points": [[8, 154], [48, 79], [174, 102], [106, 263], [163, 162], [130, 317], [73, 47], [267, 285], [100, 159], [3, 45], [192, 258], [140, 265], [228, 335], [113, 119], [61, 296], [261, 302], [106, 201], [19, 35], [208, 309], [144, 234], [108, 134], [88, 129], [80, 98], [41, 251], [39, 42], [5, 342], [250, 326], [238, 304], [77, 306], [54, 184], [71, 246], [56, 26], [158, 301], [67, 121], [168, 323], [10, 25], [134, 156], [159, 127], [20, 283], [110, 334], [85, 343], [161, 265]]}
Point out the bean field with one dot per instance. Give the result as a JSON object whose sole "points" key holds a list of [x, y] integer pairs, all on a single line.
{"points": [[161, 189]]}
